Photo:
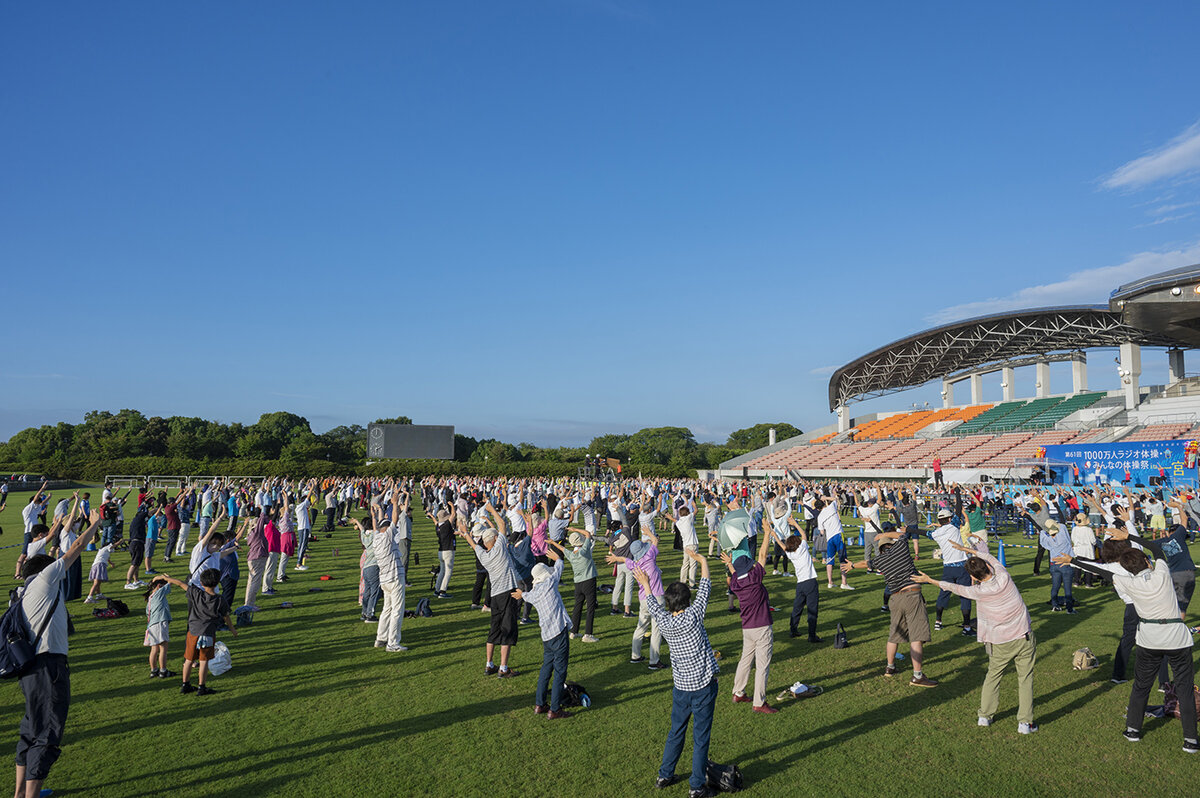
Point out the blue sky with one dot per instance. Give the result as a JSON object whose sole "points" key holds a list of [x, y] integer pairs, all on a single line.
{"points": [[545, 220]]}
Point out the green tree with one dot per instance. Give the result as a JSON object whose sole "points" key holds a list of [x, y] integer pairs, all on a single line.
{"points": [[396, 420], [756, 436]]}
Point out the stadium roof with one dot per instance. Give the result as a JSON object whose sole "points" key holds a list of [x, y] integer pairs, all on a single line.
{"points": [[987, 340]]}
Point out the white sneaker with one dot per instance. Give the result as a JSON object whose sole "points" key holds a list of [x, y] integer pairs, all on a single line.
{"points": [[573, 636], [847, 587], [99, 596], [1026, 728], [985, 721], [591, 639], [301, 568], [91, 600], [130, 586], [397, 649], [775, 573]]}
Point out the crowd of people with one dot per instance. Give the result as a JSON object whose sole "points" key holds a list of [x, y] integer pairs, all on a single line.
{"points": [[523, 535]]}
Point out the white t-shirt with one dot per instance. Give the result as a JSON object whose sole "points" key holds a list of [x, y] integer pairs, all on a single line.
{"points": [[944, 535], [802, 563], [39, 594], [687, 530], [830, 522]]}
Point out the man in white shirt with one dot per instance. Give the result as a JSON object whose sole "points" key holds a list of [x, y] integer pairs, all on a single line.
{"points": [[830, 524], [685, 522], [46, 683], [954, 569]]}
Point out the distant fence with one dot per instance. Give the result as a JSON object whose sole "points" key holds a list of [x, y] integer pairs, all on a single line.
{"points": [[172, 481]]}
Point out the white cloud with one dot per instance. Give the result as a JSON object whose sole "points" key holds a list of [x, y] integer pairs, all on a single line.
{"points": [[1179, 156], [823, 370], [1080, 288]]}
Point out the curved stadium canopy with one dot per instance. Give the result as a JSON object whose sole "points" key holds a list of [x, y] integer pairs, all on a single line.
{"points": [[972, 343]]}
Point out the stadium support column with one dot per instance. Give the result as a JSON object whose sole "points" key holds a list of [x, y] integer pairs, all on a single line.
{"points": [[843, 419], [1007, 375], [947, 393], [1079, 373], [976, 388], [1175, 365], [1042, 370], [1131, 370]]}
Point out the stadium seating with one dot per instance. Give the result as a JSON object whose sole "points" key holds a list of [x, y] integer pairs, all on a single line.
{"points": [[1015, 419], [974, 425], [1048, 418], [1159, 432]]}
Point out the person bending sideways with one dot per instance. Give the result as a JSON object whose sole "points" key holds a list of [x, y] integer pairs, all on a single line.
{"points": [[494, 554], [1003, 627], [1161, 635], [910, 617], [746, 581], [693, 672], [555, 627]]}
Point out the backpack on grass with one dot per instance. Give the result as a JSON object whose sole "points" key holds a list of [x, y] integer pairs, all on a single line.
{"points": [[723, 778], [575, 695], [1084, 660], [423, 609]]}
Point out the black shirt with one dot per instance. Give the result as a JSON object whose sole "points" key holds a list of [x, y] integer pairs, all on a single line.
{"points": [[445, 536], [205, 611]]}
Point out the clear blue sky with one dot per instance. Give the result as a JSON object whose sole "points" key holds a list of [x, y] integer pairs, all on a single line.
{"points": [[546, 220]]}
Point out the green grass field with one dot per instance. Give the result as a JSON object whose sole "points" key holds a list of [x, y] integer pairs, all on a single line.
{"points": [[312, 709]]}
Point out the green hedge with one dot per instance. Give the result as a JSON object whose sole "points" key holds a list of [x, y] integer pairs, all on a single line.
{"points": [[96, 470]]}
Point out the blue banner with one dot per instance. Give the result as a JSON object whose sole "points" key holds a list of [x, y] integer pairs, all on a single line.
{"points": [[1115, 463]]}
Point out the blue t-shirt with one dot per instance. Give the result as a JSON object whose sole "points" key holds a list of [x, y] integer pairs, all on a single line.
{"points": [[231, 507]]}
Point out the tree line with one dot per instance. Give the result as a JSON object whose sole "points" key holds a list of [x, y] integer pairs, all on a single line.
{"points": [[281, 436]]}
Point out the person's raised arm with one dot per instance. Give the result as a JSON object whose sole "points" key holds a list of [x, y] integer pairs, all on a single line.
{"points": [[762, 548], [84, 538]]}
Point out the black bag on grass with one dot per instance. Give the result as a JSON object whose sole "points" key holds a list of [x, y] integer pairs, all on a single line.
{"points": [[423, 609], [575, 695], [840, 640], [724, 778], [121, 608]]}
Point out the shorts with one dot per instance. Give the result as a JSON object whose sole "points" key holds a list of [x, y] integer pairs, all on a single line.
{"points": [[192, 649], [835, 546], [137, 552], [504, 620], [913, 532], [157, 633], [910, 618]]}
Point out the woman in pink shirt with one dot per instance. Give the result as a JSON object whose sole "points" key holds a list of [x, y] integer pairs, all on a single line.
{"points": [[271, 532], [1003, 626]]}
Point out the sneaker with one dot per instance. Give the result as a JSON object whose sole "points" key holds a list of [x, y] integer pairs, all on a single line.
{"points": [[474, 606], [636, 660], [628, 614], [662, 784], [301, 568], [165, 674], [590, 639], [1133, 735], [380, 644], [766, 709], [815, 639], [1057, 608], [923, 681], [154, 673], [205, 690], [1072, 611], [848, 587], [396, 649], [573, 636], [937, 626], [524, 621], [1115, 680], [139, 584], [491, 670], [485, 608], [985, 721], [150, 571], [562, 713], [186, 687], [703, 792], [968, 631], [885, 608], [773, 573], [1026, 728], [130, 586], [371, 619], [91, 600], [444, 595], [1190, 746], [507, 674], [614, 611], [890, 670], [270, 592], [100, 597]]}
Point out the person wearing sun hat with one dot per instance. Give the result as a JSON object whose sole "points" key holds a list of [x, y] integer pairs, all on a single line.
{"points": [[643, 555], [746, 581], [1057, 542], [555, 625], [578, 552], [954, 569]]}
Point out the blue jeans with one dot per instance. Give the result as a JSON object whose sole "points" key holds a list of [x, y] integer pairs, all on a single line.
{"points": [[371, 591], [686, 704], [1060, 576], [956, 573], [554, 658]]}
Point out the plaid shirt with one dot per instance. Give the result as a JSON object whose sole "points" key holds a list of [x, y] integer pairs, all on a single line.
{"points": [[693, 665]]}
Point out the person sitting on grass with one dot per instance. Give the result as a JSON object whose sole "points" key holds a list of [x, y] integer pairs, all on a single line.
{"points": [[207, 609], [1162, 635], [158, 621], [746, 581], [1003, 626], [693, 673], [910, 617], [555, 625]]}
